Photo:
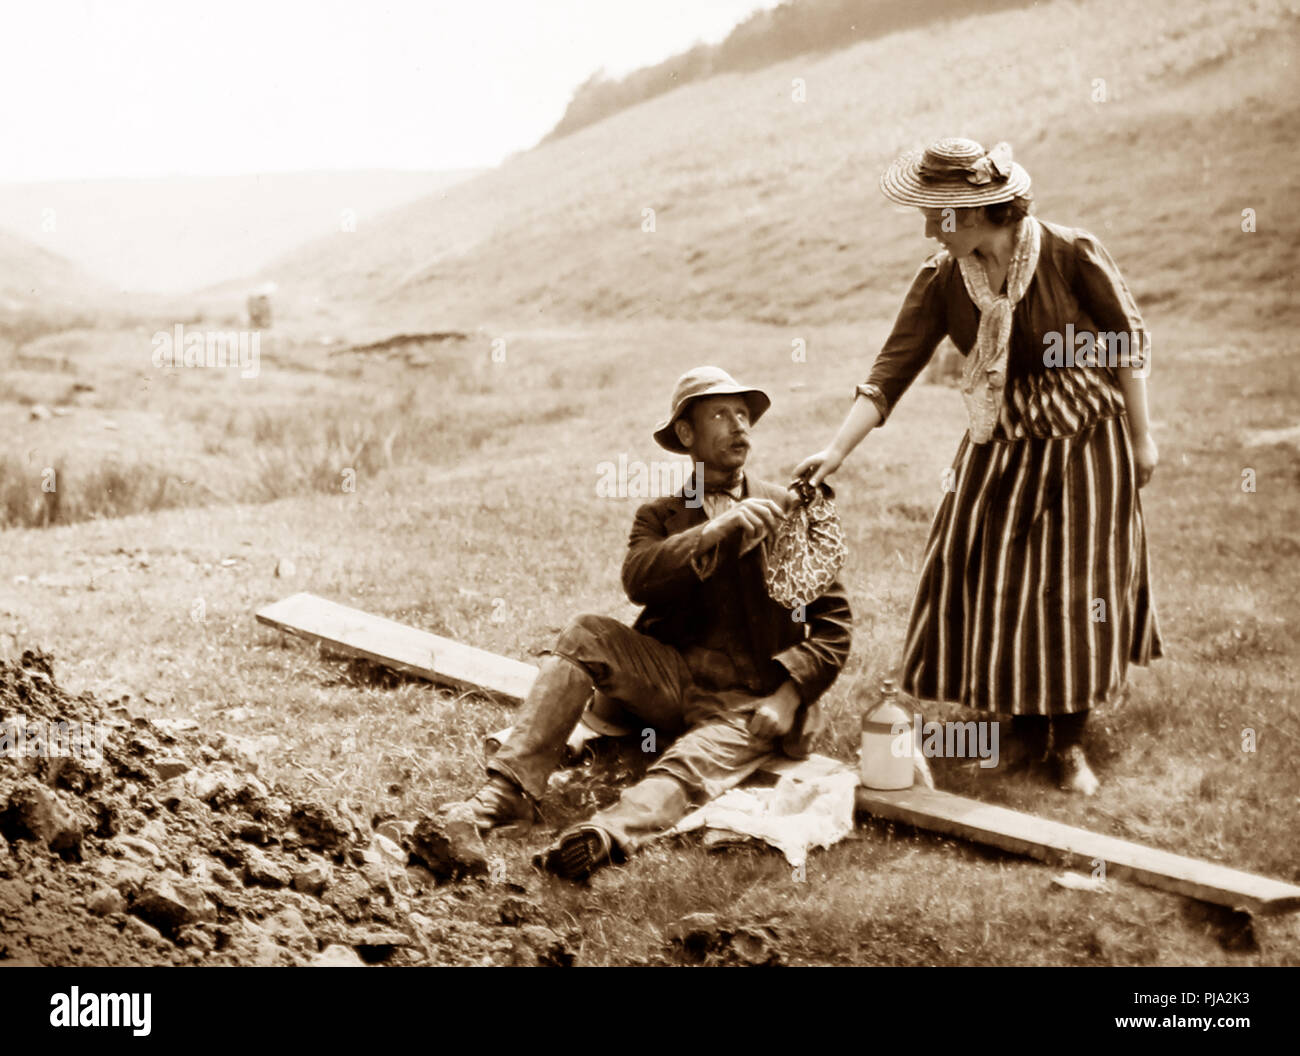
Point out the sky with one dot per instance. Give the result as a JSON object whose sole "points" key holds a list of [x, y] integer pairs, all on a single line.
{"points": [[141, 88]]}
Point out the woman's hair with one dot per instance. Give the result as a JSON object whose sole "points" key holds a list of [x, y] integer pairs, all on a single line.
{"points": [[1004, 214]]}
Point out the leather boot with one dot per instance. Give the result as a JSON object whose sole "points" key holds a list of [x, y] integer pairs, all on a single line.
{"points": [[537, 741]]}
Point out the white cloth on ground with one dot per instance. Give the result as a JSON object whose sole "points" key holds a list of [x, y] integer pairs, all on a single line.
{"points": [[811, 805]]}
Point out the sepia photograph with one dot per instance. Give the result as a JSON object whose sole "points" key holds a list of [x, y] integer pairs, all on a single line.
{"points": [[655, 483]]}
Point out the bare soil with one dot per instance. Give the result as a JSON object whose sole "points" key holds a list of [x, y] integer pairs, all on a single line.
{"points": [[173, 851]]}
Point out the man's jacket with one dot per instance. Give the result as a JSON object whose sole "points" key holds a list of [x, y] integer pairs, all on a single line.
{"points": [[713, 606]]}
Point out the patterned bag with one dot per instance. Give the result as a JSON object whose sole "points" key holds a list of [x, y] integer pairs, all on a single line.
{"points": [[807, 552]]}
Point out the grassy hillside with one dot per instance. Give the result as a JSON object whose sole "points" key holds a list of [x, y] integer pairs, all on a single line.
{"points": [[792, 28], [767, 209]]}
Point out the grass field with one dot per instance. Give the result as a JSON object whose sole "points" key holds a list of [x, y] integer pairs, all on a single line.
{"points": [[500, 549], [474, 510]]}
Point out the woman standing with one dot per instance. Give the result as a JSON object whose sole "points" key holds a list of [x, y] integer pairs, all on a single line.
{"points": [[1034, 594]]}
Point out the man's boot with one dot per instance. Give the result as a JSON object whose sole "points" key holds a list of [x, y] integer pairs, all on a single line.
{"points": [[500, 803], [518, 771]]}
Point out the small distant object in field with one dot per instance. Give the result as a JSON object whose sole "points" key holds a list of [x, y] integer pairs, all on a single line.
{"points": [[1079, 882], [1262, 437], [415, 350], [945, 367], [285, 568], [259, 310], [39, 411]]}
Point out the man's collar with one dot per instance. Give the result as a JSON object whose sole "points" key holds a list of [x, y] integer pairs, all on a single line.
{"points": [[733, 486], [737, 485]]}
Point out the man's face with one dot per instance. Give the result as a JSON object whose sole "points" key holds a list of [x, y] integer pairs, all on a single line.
{"points": [[716, 432]]}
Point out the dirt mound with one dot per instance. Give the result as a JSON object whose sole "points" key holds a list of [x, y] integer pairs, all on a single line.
{"points": [[127, 841]]}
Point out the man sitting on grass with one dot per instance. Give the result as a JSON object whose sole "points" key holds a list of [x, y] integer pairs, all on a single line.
{"points": [[712, 660]]}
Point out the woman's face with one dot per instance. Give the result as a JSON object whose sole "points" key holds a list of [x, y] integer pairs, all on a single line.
{"points": [[959, 231]]}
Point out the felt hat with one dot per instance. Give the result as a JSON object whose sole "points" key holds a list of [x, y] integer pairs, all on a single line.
{"points": [[956, 173], [700, 383]]}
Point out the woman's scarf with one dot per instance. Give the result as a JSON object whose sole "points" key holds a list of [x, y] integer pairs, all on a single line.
{"points": [[985, 373]]}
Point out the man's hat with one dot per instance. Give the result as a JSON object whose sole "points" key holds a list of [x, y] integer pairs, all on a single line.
{"points": [[696, 385]]}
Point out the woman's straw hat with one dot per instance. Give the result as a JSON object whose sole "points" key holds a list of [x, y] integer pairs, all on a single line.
{"points": [[957, 173]]}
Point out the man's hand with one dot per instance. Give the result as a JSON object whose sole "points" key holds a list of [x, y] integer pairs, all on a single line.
{"points": [[755, 518], [775, 716]]}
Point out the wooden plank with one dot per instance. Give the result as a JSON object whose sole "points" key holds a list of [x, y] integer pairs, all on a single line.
{"points": [[399, 646], [1053, 841]]}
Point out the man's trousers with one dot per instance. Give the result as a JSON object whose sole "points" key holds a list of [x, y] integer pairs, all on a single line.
{"points": [[713, 749]]}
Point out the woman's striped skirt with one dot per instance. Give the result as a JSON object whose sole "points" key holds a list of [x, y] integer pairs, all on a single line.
{"points": [[1035, 592]]}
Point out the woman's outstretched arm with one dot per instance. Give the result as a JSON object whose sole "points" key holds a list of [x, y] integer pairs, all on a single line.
{"points": [[862, 418], [920, 326]]}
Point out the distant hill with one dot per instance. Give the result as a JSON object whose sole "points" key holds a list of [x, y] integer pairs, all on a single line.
{"points": [[41, 292], [185, 232], [30, 274], [1155, 125], [796, 27]]}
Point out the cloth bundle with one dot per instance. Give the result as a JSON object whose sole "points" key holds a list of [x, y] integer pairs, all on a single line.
{"points": [[808, 550]]}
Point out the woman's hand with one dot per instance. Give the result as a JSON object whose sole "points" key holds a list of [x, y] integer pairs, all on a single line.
{"points": [[816, 468], [1145, 457]]}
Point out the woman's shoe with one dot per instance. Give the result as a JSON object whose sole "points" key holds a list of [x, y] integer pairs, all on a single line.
{"points": [[1076, 774]]}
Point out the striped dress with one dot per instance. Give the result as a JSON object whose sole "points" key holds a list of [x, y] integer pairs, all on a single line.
{"points": [[1034, 594]]}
